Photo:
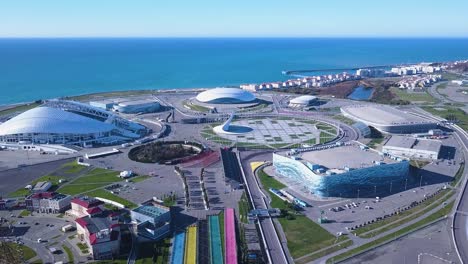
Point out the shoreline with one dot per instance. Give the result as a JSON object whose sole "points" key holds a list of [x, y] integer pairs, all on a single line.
{"points": [[7, 106]]}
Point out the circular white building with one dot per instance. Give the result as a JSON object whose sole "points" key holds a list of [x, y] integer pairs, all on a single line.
{"points": [[50, 125], [137, 106], [302, 101], [226, 96]]}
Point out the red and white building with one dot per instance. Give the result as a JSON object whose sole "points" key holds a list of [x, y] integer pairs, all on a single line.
{"points": [[101, 233], [48, 202], [82, 206]]}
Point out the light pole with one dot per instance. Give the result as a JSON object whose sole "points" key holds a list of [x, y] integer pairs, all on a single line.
{"points": [[375, 190], [391, 184], [406, 183], [358, 193], [420, 181]]}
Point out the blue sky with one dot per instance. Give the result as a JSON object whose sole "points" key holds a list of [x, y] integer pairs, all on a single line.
{"points": [[238, 18]]}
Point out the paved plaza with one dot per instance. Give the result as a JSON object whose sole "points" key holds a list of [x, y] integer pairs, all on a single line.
{"points": [[276, 131]]}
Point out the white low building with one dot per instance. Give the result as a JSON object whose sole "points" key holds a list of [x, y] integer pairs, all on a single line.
{"points": [[412, 148]]}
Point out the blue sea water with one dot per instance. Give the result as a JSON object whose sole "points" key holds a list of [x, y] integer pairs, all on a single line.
{"points": [[33, 69], [361, 93]]}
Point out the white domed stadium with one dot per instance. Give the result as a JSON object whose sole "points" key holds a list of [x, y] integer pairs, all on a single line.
{"points": [[302, 101], [53, 125], [226, 96]]}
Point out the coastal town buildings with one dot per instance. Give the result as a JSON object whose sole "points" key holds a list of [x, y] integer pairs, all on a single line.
{"points": [[48, 202], [101, 233], [84, 206]]}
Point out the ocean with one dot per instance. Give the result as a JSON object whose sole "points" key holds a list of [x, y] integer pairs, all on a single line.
{"points": [[32, 69]]}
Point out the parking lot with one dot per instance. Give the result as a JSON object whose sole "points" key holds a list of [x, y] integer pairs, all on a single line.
{"points": [[46, 227], [430, 245]]}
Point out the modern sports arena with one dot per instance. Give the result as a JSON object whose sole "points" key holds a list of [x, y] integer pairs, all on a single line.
{"points": [[387, 119], [68, 122], [226, 96]]}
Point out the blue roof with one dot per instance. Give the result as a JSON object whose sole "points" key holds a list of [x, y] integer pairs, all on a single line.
{"points": [[151, 211]]}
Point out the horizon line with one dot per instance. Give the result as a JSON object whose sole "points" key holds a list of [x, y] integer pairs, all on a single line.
{"points": [[233, 37]]}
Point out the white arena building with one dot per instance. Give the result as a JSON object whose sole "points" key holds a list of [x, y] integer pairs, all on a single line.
{"points": [[67, 122], [226, 96], [302, 101], [137, 106], [387, 119]]}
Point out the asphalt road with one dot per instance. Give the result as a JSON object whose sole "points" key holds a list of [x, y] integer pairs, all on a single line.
{"points": [[273, 245], [460, 218]]}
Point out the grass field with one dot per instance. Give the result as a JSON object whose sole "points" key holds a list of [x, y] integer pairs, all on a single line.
{"points": [[344, 119], [244, 208], [28, 253], [79, 188], [107, 195], [440, 213], [413, 96], [23, 192], [303, 235], [159, 251], [406, 216], [25, 213], [269, 182], [95, 178], [19, 108], [73, 167], [69, 254], [450, 113]]}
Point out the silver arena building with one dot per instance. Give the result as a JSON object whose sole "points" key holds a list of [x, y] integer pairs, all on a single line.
{"points": [[67, 122], [388, 119]]}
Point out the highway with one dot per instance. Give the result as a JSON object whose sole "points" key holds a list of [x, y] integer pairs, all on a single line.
{"points": [[277, 251], [460, 214]]}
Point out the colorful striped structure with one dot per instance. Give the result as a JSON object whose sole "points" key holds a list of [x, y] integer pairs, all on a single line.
{"points": [[230, 243], [178, 249], [216, 252], [191, 248]]}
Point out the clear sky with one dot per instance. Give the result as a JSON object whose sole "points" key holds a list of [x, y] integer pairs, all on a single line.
{"points": [[233, 18]]}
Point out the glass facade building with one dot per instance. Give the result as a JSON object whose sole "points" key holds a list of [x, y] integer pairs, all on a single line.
{"points": [[378, 180]]}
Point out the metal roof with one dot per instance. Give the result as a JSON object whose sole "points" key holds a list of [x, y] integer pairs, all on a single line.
{"points": [[228, 94], [304, 99], [48, 120]]}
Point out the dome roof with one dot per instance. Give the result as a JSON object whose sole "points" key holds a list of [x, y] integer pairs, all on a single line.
{"points": [[225, 95], [52, 120], [304, 99]]}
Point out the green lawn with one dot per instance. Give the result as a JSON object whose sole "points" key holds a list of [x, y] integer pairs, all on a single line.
{"points": [[269, 182], [440, 213], [413, 96], [450, 113], [244, 208], [28, 253], [69, 254], [99, 175], [404, 217], [73, 189], [107, 195], [303, 235], [140, 178], [25, 213], [19, 108], [23, 192], [344, 119], [159, 251], [325, 252], [73, 167]]}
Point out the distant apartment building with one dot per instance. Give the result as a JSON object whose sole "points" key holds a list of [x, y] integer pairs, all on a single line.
{"points": [[84, 206], [151, 220], [101, 233], [48, 202]]}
